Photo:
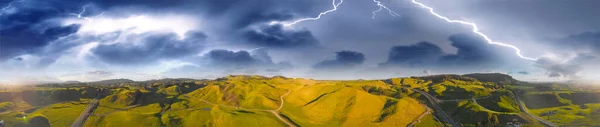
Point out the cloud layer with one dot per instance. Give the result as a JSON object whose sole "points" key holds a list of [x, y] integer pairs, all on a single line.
{"points": [[92, 40]]}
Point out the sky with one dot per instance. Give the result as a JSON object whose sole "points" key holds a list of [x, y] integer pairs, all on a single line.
{"points": [[90, 40]]}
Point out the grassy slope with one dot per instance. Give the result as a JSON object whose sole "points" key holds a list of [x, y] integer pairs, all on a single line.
{"points": [[5, 106], [471, 114], [457, 89], [428, 121], [344, 104], [572, 115], [500, 101], [238, 100], [501, 106]]}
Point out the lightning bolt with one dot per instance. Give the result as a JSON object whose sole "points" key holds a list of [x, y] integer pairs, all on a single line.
{"points": [[381, 7], [251, 50], [10, 4], [474, 27], [335, 7], [84, 17], [475, 30]]}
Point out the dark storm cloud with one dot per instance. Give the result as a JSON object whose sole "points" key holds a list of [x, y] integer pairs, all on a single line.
{"points": [[56, 32], [553, 74], [250, 21], [149, 48], [245, 12], [262, 55], [417, 55], [566, 69], [230, 58], [144, 3], [472, 52], [27, 26], [225, 62], [242, 59], [343, 60], [256, 29], [275, 36], [29, 29], [587, 40], [21, 39]]}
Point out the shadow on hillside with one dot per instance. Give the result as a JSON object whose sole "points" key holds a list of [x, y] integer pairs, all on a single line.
{"points": [[535, 101]]}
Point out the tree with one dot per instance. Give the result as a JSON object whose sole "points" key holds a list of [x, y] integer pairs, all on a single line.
{"points": [[39, 121]]}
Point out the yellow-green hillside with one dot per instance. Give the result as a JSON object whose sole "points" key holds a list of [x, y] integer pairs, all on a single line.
{"points": [[277, 102], [257, 101]]}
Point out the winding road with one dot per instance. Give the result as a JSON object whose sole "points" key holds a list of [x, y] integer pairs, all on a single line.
{"points": [[87, 112], [524, 109], [447, 118], [434, 102], [276, 112], [456, 100]]}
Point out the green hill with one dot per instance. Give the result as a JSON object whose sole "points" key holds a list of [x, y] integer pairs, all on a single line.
{"points": [[257, 101], [277, 101]]}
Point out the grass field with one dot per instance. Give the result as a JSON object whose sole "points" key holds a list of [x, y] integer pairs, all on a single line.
{"points": [[347, 104], [428, 121], [571, 115], [5, 106], [61, 114]]}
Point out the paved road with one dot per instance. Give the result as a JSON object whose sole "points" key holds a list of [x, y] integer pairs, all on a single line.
{"points": [[524, 109], [457, 100], [445, 116], [434, 102], [87, 112]]}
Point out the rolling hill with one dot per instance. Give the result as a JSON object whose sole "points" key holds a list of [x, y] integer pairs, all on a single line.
{"points": [[241, 100]]}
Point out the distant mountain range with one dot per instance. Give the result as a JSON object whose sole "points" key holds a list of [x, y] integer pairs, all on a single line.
{"points": [[483, 77]]}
